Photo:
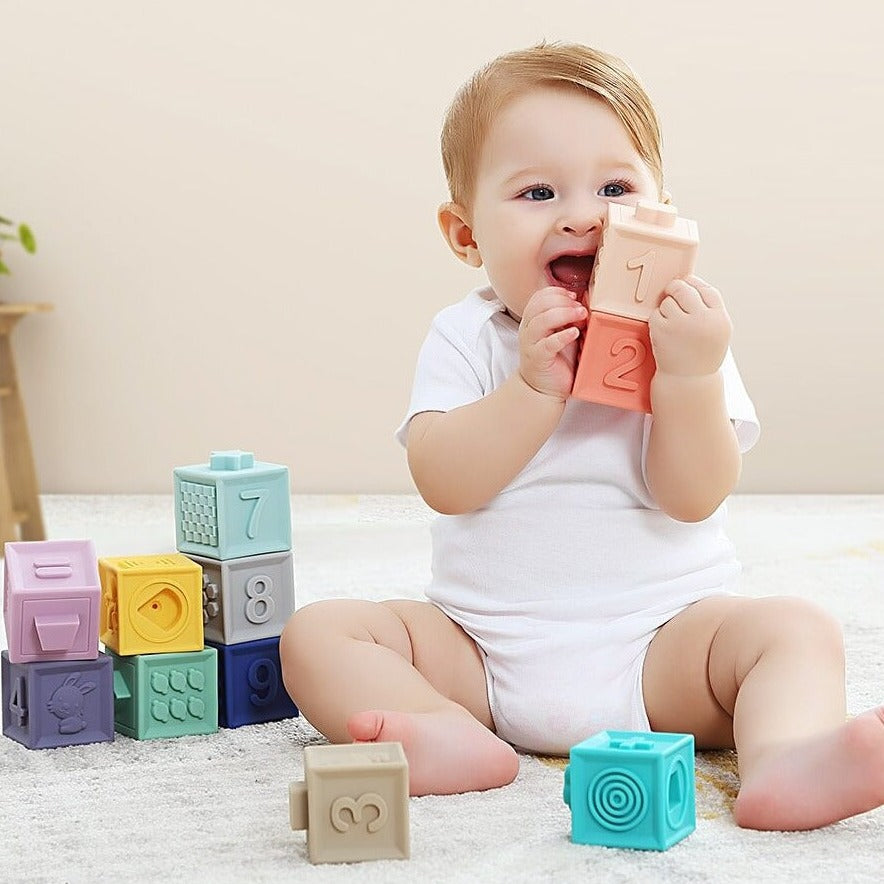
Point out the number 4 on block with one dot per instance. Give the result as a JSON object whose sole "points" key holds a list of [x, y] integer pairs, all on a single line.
{"points": [[616, 363]]}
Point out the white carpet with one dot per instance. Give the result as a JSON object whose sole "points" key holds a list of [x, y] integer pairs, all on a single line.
{"points": [[215, 808]]}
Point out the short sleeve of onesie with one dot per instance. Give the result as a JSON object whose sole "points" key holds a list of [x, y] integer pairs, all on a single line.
{"points": [[451, 370]]}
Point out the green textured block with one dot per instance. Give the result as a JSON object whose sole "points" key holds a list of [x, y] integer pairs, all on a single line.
{"points": [[157, 696]]}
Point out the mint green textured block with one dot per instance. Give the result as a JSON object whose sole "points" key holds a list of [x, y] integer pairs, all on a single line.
{"points": [[233, 506], [631, 789], [166, 695]]}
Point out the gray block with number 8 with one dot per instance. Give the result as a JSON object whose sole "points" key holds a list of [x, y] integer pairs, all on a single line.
{"points": [[246, 599]]}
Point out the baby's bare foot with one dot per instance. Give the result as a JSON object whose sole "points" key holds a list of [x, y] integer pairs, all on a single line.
{"points": [[826, 779], [448, 751]]}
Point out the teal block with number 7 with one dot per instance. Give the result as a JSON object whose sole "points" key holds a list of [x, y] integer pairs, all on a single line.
{"points": [[233, 506]]}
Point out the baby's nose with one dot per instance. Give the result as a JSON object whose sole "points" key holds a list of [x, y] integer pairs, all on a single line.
{"points": [[582, 223]]}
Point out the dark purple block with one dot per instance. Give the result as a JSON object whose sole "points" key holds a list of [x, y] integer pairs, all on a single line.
{"points": [[250, 688], [61, 703]]}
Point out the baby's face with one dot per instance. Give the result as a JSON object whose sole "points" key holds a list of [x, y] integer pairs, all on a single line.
{"points": [[552, 161]]}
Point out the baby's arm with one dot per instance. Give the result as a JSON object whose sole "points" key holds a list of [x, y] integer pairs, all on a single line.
{"points": [[460, 459], [693, 459]]}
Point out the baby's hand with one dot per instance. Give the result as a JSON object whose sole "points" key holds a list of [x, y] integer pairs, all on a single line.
{"points": [[548, 336], [691, 329]]}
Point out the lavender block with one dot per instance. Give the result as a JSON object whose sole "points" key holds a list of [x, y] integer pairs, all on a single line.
{"points": [[51, 598], [58, 703]]}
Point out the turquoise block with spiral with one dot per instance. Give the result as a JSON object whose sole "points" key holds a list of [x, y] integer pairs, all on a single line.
{"points": [[631, 789]]}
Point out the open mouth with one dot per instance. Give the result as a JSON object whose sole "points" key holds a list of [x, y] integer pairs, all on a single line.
{"points": [[572, 272]]}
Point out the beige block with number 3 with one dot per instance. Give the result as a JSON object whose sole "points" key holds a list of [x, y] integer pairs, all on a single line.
{"points": [[353, 802]]}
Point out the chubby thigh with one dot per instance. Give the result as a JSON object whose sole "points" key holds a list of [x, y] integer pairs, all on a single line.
{"points": [[445, 656]]}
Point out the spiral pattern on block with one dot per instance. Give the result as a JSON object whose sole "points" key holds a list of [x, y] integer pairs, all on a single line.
{"points": [[617, 800]]}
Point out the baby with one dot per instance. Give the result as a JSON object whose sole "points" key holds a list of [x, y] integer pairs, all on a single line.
{"points": [[582, 579]]}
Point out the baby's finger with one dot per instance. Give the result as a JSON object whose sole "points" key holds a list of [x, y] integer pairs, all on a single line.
{"points": [[541, 325], [711, 296], [685, 296], [557, 341]]}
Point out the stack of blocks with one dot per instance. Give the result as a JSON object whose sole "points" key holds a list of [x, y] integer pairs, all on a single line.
{"points": [[57, 687], [165, 680], [233, 521], [643, 248]]}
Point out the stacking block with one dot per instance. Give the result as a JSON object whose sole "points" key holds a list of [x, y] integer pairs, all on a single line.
{"points": [[61, 703], [353, 802], [628, 789], [151, 604], [166, 695], [616, 363], [51, 600], [232, 507], [643, 248], [250, 688], [247, 599]]}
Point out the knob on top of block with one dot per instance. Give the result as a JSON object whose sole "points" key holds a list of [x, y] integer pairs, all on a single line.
{"points": [[231, 460], [656, 213]]}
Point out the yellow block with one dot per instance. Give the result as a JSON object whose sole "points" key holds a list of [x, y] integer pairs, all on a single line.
{"points": [[151, 604]]}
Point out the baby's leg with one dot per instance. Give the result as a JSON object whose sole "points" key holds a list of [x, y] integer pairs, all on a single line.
{"points": [[771, 671], [401, 671]]}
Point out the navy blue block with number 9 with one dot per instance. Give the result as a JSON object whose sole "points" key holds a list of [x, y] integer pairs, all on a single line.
{"points": [[250, 688]]}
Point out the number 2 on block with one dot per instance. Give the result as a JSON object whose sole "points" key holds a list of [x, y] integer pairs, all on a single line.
{"points": [[258, 495], [615, 377]]}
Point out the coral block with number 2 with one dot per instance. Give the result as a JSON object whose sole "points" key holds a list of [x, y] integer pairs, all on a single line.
{"points": [[616, 363]]}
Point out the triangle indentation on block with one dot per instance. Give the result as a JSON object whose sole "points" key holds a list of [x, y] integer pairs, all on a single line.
{"points": [[57, 631]]}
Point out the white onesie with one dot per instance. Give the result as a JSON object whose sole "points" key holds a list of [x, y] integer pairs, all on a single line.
{"points": [[564, 577]]}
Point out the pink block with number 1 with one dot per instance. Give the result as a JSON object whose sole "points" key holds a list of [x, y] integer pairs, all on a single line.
{"points": [[51, 598], [643, 248]]}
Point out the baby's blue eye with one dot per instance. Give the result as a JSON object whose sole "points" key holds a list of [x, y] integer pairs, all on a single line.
{"points": [[539, 193], [614, 190]]}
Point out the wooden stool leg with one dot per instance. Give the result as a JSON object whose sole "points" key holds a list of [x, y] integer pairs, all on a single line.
{"points": [[19, 472], [8, 520]]}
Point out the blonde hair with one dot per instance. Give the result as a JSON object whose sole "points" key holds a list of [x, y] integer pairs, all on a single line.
{"points": [[568, 65]]}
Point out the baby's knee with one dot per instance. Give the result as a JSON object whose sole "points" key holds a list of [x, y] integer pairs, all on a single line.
{"points": [[308, 628], [312, 632], [805, 622]]}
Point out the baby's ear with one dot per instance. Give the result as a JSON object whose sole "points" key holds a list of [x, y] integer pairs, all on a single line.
{"points": [[455, 225]]}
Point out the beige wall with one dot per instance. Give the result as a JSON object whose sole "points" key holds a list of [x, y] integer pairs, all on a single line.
{"points": [[235, 209]]}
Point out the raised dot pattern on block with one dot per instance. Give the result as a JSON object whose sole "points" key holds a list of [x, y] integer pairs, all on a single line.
{"points": [[199, 513], [211, 604], [167, 705]]}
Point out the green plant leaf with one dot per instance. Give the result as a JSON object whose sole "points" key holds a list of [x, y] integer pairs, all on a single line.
{"points": [[27, 238], [3, 268], [4, 220]]}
